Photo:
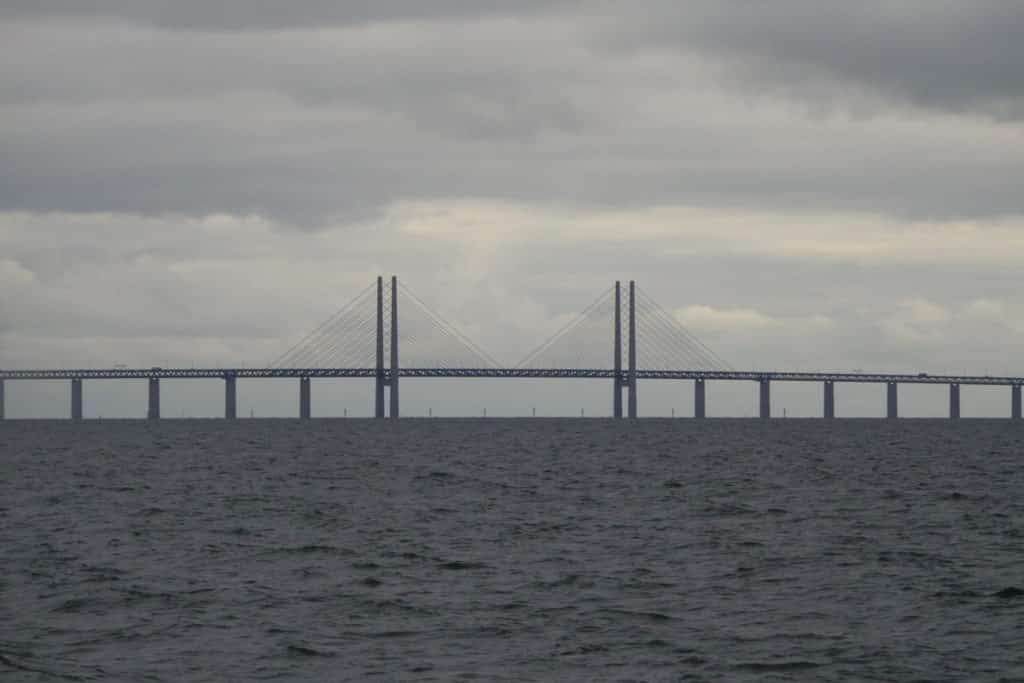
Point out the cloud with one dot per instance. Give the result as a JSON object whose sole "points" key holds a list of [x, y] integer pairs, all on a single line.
{"points": [[706, 317], [14, 276], [239, 15], [924, 311], [314, 123], [986, 308], [941, 55]]}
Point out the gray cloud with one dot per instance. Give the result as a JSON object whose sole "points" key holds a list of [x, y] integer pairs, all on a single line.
{"points": [[232, 15], [333, 122], [945, 54]]}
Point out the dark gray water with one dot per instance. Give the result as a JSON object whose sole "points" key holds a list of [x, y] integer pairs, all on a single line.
{"points": [[512, 550]]}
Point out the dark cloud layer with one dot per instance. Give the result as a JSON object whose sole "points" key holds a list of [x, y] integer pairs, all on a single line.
{"points": [[792, 104], [948, 54], [234, 15]]}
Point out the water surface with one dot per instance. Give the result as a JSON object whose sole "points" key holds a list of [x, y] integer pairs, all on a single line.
{"points": [[491, 549]]}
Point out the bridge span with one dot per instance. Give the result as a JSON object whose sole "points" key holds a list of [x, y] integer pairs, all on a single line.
{"points": [[700, 378], [324, 343]]}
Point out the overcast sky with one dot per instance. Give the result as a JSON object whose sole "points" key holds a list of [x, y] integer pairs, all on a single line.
{"points": [[805, 185]]}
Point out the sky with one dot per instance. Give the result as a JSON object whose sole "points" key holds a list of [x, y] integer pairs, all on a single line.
{"points": [[803, 185]]}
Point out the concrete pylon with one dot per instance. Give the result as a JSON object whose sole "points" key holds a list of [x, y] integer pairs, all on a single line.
{"points": [[617, 354], [153, 410], [378, 410], [892, 410], [305, 399], [765, 395], [830, 400], [954, 401], [1015, 408], [2, 414], [393, 388], [700, 406], [76, 399], [632, 349], [230, 398]]}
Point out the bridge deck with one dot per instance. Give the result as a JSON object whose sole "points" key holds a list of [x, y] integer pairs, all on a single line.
{"points": [[503, 373]]}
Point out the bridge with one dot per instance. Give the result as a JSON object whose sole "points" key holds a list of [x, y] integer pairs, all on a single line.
{"points": [[364, 340]]}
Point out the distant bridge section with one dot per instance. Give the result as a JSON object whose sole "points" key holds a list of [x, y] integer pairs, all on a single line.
{"points": [[646, 344]]}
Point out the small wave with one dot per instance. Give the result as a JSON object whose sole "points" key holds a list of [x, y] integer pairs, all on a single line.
{"points": [[1010, 592], [460, 565], [311, 549], [365, 565], [797, 665], [568, 580], [650, 616], [956, 594], [71, 606], [306, 651]]}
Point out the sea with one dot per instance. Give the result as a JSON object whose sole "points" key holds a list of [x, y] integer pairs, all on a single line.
{"points": [[512, 550]]}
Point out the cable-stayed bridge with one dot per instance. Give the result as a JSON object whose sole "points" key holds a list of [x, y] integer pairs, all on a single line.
{"points": [[387, 333]]}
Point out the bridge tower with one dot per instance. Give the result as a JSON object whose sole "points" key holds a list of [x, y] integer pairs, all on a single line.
{"points": [[393, 378], [618, 383], [387, 377], [631, 379], [379, 393]]}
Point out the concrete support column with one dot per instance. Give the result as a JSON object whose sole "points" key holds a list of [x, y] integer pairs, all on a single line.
{"points": [[2, 414], [617, 354], [305, 399], [830, 400], [892, 400], [766, 398], [378, 403], [1015, 411], [699, 399], [394, 348], [954, 401], [230, 398], [153, 412], [632, 348], [76, 399]]}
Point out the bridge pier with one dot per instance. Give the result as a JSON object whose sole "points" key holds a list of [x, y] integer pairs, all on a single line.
{"points": [[230, 398], [305, 399], [1015, 411], [766, 397], [76, 399], [699, 399], [830, 400], [892, 400], [2, 414], [954, 401], [153, 412], [632, 349]]}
